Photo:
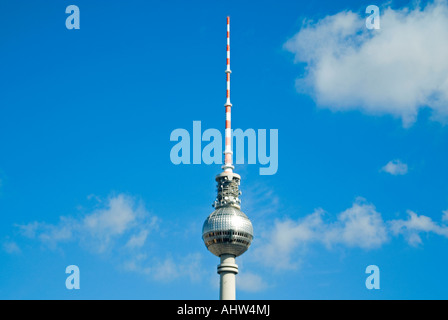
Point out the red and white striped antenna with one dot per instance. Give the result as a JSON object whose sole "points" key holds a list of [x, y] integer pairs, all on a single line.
{"points": [[228, 167]]}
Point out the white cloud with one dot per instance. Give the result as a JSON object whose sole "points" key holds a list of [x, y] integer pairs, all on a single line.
{"points": [[445, 215], [114, 219], [122, 226], [135, 264], [49, 234], [395, 167], [415, 224], [138, 240], [121, 217], [11, 247], [250, 282], [279, 244], [358, 226], [396, 70], [167, 269], [285, 244]]}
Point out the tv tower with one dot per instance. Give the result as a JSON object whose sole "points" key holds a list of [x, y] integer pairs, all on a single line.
{"points": [[227, 232]]}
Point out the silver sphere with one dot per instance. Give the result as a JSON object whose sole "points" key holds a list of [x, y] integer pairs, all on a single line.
{"points": [[227, 231]]}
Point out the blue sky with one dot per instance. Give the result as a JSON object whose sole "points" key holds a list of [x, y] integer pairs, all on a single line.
{"points": [[86, 177]]}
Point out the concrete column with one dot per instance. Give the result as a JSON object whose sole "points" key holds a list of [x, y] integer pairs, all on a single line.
{"points": [[227, 271]]}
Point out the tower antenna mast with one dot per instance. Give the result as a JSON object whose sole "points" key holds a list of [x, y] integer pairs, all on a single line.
{"points": [[228, 167]]}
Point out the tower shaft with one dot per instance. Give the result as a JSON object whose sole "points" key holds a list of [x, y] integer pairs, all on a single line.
{"points": [[227, 271]]}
